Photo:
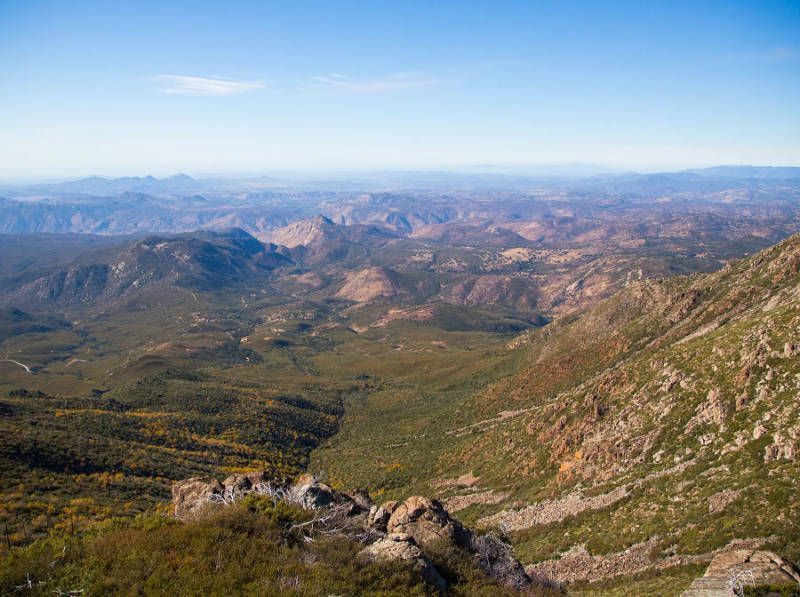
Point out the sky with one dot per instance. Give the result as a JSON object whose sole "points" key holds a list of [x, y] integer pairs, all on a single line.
{"points": [[160, 87]]}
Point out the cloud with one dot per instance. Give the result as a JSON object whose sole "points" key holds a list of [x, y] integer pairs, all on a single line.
{"points": [[386, 84], [205, 85]]}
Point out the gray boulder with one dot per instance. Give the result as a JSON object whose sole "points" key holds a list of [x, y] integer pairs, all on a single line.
{"points": [[400, 547]]}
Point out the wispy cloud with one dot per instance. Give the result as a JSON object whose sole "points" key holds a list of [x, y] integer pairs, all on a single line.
{"points": [[385, 84], [204, 85]]}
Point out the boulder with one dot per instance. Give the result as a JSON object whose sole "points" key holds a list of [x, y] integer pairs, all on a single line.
{"points": [[741, 568], [190, 496], [245, 482], [311, 494], [400, 547], [378, 516], [427, 522]]}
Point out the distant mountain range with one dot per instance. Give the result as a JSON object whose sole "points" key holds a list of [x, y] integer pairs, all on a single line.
{"points": [[760, 172], [568, 175]]}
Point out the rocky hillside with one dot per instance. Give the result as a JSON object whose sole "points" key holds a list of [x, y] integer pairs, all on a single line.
{"points": [[492, 290], [369, 284], [319, 239], [666, 416]]}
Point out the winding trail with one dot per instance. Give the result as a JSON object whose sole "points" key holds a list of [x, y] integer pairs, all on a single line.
{"points": [[23, 365]]}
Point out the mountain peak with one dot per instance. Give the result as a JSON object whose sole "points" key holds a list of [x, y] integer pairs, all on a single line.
{"points": [[304, 232], [323, 220]]}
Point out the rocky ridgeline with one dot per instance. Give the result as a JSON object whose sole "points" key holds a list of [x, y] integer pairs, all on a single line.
{"points": [[393, 531]]}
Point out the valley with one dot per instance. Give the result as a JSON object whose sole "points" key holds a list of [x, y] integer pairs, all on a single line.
{"points": [[603, 372]]}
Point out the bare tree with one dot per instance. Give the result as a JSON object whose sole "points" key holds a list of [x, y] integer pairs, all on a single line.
{"points": [[738, 580]]}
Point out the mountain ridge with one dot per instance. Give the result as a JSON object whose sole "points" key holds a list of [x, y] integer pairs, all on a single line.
{"points": [[202, 261]]}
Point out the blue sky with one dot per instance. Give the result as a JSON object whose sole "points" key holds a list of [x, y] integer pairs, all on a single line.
{"points": [[159, 87]]}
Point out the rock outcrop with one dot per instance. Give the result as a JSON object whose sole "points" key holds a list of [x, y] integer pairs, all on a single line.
{"points": [[397, 531], [400, 547], [244, 482], [427, 522], [429, 525], [190, 496], [378, 517], [731, 571], [311, 494], [369, 284]]}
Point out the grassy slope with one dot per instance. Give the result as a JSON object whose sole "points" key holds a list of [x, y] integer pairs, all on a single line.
{"points": [[123, 404], [253, 548], [243, 551], [603, 413], [177, 385]]}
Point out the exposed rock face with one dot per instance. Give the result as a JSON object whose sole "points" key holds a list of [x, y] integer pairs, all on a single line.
{"points": [[190, 496], [715, 409], [459, 502], [369, 284], [492, 290], [744, 568], [304, 232], [402, 547], [577, 564], [427, 522], [720, 500], [781, 448], [321, 234], [767, 567]]}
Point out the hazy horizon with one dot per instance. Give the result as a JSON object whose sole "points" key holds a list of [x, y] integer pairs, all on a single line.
{"points": [[555, 171]]}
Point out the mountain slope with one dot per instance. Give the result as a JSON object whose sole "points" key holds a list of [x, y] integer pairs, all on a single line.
{"points": [[199, 261], [319, 241], [369, 284], [663, 419]]}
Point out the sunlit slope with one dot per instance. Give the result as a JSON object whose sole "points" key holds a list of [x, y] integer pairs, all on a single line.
{"points": [[666, 416]]}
